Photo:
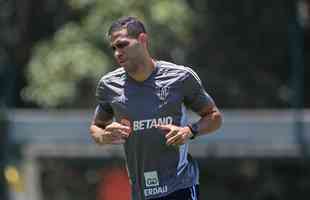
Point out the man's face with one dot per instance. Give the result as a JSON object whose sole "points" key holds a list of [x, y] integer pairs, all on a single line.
{"points": [[127, 50]]}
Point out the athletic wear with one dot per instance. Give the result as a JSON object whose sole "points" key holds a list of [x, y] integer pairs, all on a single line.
{"points": [[155, 169], [191, 193]]}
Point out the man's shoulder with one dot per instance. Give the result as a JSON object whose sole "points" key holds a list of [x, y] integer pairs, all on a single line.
{"points": [[172, 68], [114, 75]]}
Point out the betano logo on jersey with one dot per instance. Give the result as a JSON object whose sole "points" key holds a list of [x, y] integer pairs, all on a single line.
{"points": [[139, 125]]}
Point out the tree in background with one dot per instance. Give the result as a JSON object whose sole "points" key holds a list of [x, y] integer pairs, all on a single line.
{"points": [[240, 49], [64, 69]]}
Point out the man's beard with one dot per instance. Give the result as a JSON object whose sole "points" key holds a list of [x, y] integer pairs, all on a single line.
{"points": [[130, 68]]}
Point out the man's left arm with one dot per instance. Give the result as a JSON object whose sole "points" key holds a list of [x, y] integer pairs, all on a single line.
{"points": [[196, 98], [211, 120]]}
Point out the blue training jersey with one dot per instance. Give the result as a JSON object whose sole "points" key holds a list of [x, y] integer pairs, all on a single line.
{"points": [[154, 169]]}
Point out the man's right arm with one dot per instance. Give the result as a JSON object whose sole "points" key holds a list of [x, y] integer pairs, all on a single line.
{"points": [[104, 131]]}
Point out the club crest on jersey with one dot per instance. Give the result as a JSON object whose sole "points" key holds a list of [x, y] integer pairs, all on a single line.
{"points": [[121, 99], [163, 93]]}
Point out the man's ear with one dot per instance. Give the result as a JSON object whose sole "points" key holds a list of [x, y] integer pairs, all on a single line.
{"points": [[143, 38]]}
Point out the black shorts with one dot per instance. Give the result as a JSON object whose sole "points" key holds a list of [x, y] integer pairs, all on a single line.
{"points": [[191, 193]]}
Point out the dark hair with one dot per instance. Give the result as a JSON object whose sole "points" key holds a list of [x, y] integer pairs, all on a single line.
{"points": [[133, 25]]}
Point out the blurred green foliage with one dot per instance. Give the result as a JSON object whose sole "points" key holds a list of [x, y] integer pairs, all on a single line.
{"points": [[79, 51], [240, 49]]}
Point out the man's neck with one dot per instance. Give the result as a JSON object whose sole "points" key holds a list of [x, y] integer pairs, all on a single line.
{"points": [[145, 69]]}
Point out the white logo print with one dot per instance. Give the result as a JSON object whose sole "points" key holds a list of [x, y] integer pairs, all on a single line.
{"points": [[122, 99], [151, 123], [151, 179], [163, 93], [152, 184]]}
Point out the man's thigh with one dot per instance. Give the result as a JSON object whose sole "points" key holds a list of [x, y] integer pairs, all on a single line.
{"points": [[191, 193]]}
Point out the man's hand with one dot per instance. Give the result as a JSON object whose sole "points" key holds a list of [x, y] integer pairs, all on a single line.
{"points": [[114, 133], [176, 135]]}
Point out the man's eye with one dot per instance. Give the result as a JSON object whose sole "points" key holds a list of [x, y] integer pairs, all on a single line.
{"points": [[122, 45]]}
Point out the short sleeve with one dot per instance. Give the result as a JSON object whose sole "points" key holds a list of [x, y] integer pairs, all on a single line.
{"points": [[195, 96], [102, 96]]}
